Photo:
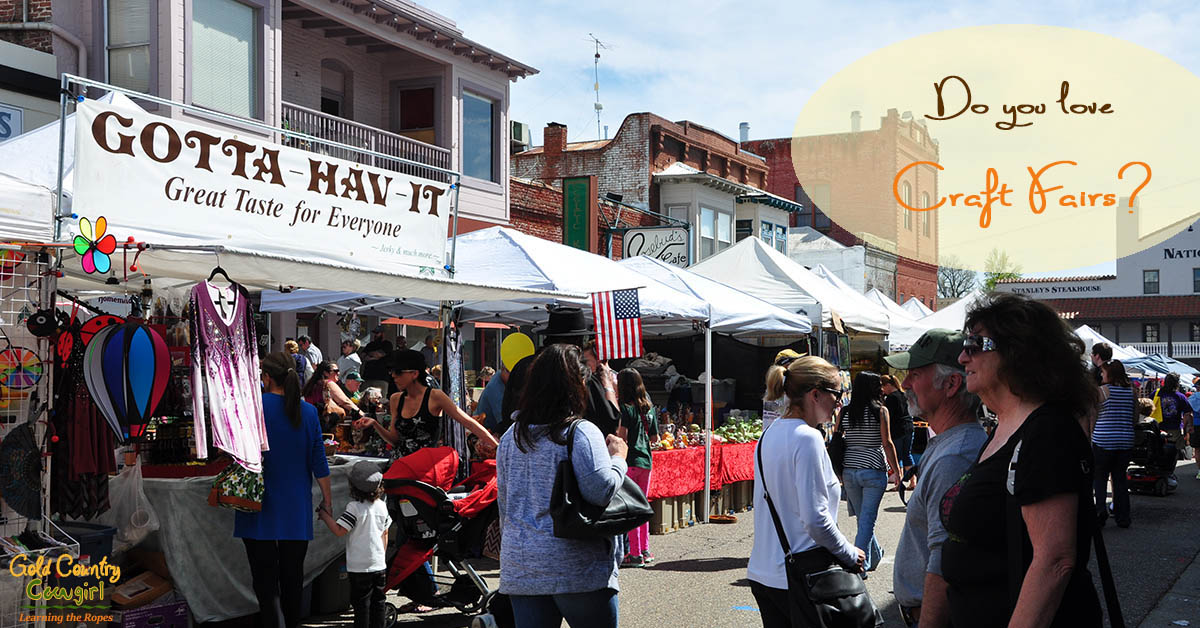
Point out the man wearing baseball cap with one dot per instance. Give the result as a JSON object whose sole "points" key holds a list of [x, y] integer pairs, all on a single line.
{"points": [[936, 391]]}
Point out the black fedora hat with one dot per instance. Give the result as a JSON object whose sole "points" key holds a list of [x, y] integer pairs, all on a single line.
{"points": [[566, 321]]}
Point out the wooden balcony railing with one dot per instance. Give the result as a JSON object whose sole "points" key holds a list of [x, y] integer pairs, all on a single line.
{"points": [[333, 128]]}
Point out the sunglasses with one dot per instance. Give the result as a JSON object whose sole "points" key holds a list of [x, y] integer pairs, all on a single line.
{"points": [[837, 393], [974, 345]]}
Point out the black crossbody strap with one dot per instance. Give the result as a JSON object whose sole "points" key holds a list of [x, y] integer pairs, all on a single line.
{"points": [[762, 478], [1115, 619]]}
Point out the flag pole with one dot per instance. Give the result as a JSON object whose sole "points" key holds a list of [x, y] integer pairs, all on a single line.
{"points": [[708, 417]]}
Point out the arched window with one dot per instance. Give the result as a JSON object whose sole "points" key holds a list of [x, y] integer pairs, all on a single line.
{"points": [[906, 195], [337, 82], [926, 218]]}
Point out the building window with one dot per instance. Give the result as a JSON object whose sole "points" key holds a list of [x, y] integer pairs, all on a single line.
{"points": [[925, 217], [479, 132], [1194, 332], [1149, 332], [336, 82], [128, 44], [781, 239], [804, 218], [679, 212], [743, 229], [901, 298], [724, 230], [1196, 280], [415, 112], [822, 220], [766, 232], [813, 203], [226, 53], [1149, 282], [716, 231], [906, 195]]}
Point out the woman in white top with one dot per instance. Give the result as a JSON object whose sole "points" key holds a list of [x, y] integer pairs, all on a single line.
{"points": [[803, 487]]}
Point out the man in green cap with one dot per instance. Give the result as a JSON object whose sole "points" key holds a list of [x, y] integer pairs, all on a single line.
{"points": [[936, 391]]}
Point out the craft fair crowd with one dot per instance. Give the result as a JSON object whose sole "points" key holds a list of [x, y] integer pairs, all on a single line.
{"points": [[1004, 501]]}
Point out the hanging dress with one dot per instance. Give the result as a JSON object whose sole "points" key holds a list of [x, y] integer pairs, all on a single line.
{"points": [[225, 374]]}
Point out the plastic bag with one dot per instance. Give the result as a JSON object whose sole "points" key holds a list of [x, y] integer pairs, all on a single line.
{"points": [[131, 513]]}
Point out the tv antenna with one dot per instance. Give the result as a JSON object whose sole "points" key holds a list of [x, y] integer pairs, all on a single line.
{"points": [[596, 85]]}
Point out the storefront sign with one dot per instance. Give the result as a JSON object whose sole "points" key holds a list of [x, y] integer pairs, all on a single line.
{"points": [[164, 181], [576, 203], [1057, 289], [669, 244], [11, 121]]}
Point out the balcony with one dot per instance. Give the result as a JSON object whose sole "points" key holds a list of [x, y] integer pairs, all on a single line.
{"points": [[1177, 350], [333, 128]]}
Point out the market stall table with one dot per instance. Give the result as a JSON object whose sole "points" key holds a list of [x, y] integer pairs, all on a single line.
{"points": [[207, 564]]}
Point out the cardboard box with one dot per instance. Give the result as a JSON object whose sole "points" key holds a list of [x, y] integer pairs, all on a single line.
{"points": [[141, 590], [172, 614]]}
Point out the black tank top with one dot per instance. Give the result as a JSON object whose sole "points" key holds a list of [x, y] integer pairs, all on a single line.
{"points": [[420, 431]]}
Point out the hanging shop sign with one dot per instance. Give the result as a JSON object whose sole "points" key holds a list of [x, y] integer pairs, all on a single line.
{"points": [[165, 181], [669, 244]]}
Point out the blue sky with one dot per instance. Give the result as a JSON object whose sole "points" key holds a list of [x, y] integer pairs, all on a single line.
{"points": [[719, 63]]}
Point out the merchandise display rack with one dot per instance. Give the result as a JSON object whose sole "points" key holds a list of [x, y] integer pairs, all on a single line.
{"points": [[27, 283]]}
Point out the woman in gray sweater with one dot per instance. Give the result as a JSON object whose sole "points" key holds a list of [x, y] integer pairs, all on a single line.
{"points": [[550, 579]]}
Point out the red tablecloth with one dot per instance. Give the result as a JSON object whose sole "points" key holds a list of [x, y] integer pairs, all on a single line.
{"points": [[737, 462], [681, 471]]}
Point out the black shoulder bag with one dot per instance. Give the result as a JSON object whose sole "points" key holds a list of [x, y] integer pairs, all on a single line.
{"points": [[822, 593], [576, 518], [837, 446]]}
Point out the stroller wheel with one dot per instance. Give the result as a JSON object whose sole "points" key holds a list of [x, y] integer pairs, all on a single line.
{"points": [[390, 615]]}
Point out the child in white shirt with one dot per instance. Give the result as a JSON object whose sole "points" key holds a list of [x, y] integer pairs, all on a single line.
{"points": [[366, 520]]}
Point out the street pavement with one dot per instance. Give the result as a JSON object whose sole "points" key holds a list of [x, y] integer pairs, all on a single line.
{"points": [[699, 578]]}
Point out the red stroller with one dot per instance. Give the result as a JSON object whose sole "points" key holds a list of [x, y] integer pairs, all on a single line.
{"points": [[434, 516]]}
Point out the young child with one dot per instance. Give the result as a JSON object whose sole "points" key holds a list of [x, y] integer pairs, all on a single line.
{"points": [[366, 520]]}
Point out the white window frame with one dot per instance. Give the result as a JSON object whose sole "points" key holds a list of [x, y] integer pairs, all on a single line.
{"points": [[151, 45], [260, 13]]}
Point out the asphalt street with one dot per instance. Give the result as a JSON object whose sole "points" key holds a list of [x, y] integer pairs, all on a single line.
{"points": [[699, 577]]}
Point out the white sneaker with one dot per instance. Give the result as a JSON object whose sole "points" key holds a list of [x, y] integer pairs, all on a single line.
{"points": [[1198, 475]]}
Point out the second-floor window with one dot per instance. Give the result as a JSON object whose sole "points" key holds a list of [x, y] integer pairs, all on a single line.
{"points": [[716, 231], [1149, 332], [127, 44], [1193, 332], [781, 239], [226, 57], [1149, 282], [906, 194], [1196, 280], [479, 135], [925, 217]]}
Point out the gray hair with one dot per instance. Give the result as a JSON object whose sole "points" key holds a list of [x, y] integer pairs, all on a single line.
{"points": [[966, 398]]}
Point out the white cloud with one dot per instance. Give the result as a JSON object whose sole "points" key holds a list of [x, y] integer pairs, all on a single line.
{"points": [[721, 63]]}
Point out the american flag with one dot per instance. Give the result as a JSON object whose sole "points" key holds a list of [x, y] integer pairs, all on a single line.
{"points": [[618, 324]]}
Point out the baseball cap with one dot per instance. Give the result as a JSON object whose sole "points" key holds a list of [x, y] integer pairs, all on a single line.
{"points": [[785, 357], [365, 476], [936, 346], [353, 375]]}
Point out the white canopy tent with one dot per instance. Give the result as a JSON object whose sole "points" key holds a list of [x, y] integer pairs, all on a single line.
{"points": [[888, 304], [26, 211], [852, 296], [953, 316], [1090, 337], [918, 309], [757, 269]]}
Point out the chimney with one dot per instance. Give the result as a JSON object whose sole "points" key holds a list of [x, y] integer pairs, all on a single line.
{"points": [[554, 138], [744, 132], [855, 121]]}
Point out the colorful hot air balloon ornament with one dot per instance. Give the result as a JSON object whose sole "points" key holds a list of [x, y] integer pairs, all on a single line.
{"points": [[94, 246], [126, 368]]}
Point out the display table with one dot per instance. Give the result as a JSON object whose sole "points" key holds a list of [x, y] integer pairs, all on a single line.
{"points": [[207, 564], [678, 472]]}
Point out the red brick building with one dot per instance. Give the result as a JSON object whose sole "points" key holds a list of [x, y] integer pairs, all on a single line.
{"points": [[851, 175], [667, 170]]}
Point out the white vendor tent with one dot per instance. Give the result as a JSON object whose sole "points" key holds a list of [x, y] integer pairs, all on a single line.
{"points": [[888, 304], [860, 301], [26, 211], [732, 311], [953, 316], [759, 270], [918, 309], [1090, 337]]}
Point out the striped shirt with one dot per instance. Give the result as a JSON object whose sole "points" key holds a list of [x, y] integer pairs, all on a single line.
{"points": [[1114, 426], [864, 446]]}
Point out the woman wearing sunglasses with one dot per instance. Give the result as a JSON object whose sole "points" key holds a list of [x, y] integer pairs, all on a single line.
{"points": [[1032, 484], [804, 490], [322, 390]]}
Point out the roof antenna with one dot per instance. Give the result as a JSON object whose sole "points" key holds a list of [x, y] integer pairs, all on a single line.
{"points": [[596, 86]]}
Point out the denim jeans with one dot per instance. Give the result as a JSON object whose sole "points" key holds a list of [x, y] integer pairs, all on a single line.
{"points": [[1110, 462], [864, 490], [368, 598], [594, 609]]}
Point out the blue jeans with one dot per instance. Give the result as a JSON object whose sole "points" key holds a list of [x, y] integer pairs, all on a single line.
{"points": [[594, 609], [864, 490]]}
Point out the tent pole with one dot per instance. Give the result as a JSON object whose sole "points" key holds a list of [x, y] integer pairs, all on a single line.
{"points": [[708, 418], [62, 142]]}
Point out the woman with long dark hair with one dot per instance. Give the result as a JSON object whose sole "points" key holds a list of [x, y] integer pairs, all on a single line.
{"points": [[869, 453], [276, 538], [1019, 523], [548, 578], [639, 428], [323, 392], [900, 423], [1112, 441]]}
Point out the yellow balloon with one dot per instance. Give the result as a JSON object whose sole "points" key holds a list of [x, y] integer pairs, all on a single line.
{"points": [[514, 348]]}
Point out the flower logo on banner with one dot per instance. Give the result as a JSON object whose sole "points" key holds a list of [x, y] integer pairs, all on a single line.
{"points": [[94, 247]]}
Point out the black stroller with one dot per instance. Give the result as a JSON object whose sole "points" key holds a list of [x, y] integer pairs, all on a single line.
{"points": [[1152, 463]]}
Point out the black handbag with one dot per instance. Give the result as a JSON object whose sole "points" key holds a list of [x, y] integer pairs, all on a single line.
{"points": [[822, 593], [837, 448], [576, 518]]}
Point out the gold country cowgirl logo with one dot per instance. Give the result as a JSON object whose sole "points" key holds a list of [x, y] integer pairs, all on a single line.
{"points": [[1059, 147], [43, 574]]}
